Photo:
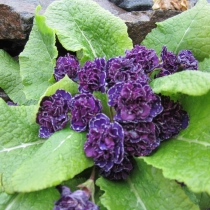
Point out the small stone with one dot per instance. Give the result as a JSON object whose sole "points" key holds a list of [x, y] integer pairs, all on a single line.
{"points": [[134, 5]]}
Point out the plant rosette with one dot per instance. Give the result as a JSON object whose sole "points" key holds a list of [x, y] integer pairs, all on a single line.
{"points": [[128, 125]]}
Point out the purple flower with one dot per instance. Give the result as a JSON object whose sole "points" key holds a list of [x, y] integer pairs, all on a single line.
{"points": [[121, 69], [134, 102], [169, 63], [77, 200], [147, 58], [105, 142], [187, 60], [119, 171], [66, 65], [140, 138], [53, 113], [171, 120], [84, 107], [92, 76]]}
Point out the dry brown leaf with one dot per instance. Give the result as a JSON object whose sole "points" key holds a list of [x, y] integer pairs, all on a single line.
{"points": [[180, 5]]}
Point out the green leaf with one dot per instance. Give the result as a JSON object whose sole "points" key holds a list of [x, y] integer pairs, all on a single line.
{"points": [[144, 189], [186, 158], [38, 59], [104, 101], [194, 83], [201, 199], [10, 79], [188, 30], [60, 158], [34, 201], [66, 84], [85, 27], [204, 65], [19, 139]]}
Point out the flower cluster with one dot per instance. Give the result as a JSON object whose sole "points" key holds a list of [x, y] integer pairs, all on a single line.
{"points": [[55, 110], [172, 63], [77, 200], [139, 119]]}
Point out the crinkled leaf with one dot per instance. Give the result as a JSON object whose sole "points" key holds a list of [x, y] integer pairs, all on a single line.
{"points": [[65, 84], [41, 200], [38, 59], [60, 158], [188, 30], [19, 139], [144, 189], [10, 78], [85, 27], [194, 83], [186, 158], [204, 65]]}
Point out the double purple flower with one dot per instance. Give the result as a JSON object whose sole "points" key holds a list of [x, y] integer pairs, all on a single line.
{"points": [[67, 65], [53, 113], [84, 107], [92, 76], [140, 138], [122, 69], [171, 120], [134, 102], [105, 142], [147, 58]]}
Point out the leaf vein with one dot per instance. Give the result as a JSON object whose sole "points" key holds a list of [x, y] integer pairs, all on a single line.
{"points": [[136, 194], [193, 141], [22, 146]]}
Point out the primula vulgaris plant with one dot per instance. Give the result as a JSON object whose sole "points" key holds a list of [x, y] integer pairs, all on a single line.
{"points": [[134, 117]]}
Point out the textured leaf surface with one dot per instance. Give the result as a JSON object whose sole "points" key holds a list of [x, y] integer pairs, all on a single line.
{"points": [[65, 84], [41, 200], [19, 139], [186, 158], [194, 83], [85, 27], [10, 79], [60, 158], [145, 189], [204, 65], [38, 59], [188, 30]]}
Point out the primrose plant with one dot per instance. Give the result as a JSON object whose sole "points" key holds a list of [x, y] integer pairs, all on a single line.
{"points": [[127, 125]]}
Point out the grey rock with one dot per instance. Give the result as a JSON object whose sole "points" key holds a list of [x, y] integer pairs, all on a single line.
{"points": [[140, 23], [16, 19], [111, 7], [134, 5]]}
